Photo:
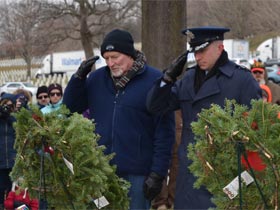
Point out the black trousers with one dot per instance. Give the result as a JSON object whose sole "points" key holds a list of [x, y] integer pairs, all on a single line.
{"points": [[5, 184]]}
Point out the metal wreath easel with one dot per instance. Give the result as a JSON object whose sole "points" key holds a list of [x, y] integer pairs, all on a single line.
{"points": [[43, 203], [241, 150]]}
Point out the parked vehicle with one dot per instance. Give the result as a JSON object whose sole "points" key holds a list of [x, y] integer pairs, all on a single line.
{"points": [[273, 73], [10, 87], [269, 50], [272, 62], [66, 62], [264, 50], [242, 62]]}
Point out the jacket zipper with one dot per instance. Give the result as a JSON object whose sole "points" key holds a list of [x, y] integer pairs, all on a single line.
{"points": [[6, 144], [113, 120]]}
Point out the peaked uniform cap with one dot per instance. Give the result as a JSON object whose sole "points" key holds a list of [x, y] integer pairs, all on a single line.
{"points": [[201, 37]]}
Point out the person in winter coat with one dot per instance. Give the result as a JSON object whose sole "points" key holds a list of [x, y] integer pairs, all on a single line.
{"points": [[260, 74], [55, 93], [7, 139], [23, 99], [214, 79], [42, 97], [116, 97], [18, 198]]}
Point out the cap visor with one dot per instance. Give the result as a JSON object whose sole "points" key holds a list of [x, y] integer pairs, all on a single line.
{"points": [[257, 69]]}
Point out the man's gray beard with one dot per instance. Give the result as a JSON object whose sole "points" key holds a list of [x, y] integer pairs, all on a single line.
{"points": [[262, 82], [121, 73]]}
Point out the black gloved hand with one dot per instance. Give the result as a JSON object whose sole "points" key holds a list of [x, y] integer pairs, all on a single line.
{"points": [[85, 67], [152, 186], [175, 69]]}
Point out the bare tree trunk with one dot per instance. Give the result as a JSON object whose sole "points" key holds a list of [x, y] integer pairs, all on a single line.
{"points": [[28, 69], [162, 22], [86, 35], [25, 54]]}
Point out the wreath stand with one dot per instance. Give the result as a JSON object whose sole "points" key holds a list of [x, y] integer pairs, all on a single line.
{"points": [[241, 150], [43, 203]]}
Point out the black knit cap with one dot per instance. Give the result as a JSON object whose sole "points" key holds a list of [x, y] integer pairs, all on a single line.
{"points": [[41, 89], [55, 86], [120, 41]]}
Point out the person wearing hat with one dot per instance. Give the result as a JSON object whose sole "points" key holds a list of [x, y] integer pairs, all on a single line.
{"points": [[259, 73], [116, 98], [7, 139], [42, 96], [23, 99], [213, 79], [55, 93]]}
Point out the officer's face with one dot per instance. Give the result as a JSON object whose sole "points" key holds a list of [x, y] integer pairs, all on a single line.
{"points": [[118, 63], [207, 57]]}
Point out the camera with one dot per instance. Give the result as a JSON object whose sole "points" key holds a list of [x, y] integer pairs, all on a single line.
{"points": [[5, 110], [22, 100]]}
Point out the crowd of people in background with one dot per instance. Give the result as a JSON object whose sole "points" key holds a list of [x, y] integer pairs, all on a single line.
{"points": [[133, 107], [48, 99]]}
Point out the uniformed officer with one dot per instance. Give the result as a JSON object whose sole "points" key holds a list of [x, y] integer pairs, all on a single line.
{"points": [[213, 79]]}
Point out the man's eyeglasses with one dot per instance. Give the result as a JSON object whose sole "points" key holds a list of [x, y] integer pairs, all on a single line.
{"points": [[41, 97], [257, 72], [53, 94]]}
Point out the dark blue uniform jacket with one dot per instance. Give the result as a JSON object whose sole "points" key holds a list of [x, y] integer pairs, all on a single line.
{"points": [[232, 82]]}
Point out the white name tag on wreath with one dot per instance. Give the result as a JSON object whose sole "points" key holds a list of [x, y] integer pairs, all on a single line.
{"points": [[101, 202], [232, 188]]}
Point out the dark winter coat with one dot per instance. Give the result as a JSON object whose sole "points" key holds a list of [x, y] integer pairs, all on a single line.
{"points": [[274, 88], [7, 139], [232, 82], [141, 141]]}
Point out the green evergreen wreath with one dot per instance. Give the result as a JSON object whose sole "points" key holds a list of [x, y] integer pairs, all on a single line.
{"points": [[215, 156], [65, 139]]}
